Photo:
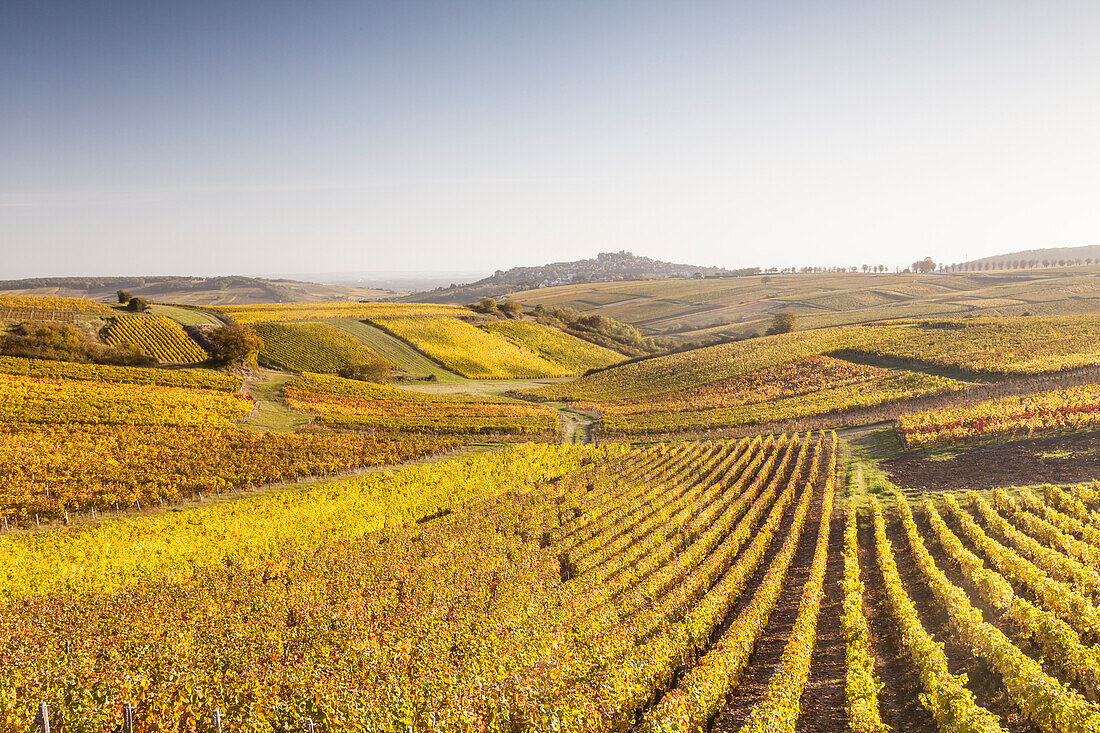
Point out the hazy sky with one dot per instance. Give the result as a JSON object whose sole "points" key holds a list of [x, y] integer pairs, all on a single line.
{"points": [[237, 137]]}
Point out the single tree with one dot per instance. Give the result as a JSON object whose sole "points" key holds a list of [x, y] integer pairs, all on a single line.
{"points": [[137, 305], [511, 308], [373, 371], [234, 344], [484, 305], [124, 297], [783, 322]]}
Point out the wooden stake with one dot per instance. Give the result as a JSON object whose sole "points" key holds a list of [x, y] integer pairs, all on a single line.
{"points": [[37, 524], [217, 720], [309, 726], [127, 718], [44, 717]]}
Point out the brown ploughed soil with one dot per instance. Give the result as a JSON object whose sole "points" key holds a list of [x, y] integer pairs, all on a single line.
{"points": [[1062, 459]]}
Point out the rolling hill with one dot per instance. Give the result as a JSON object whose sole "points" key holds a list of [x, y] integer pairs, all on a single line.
{"points": [[1043, 257], [229, 290], [742, 306], [605, 267]]}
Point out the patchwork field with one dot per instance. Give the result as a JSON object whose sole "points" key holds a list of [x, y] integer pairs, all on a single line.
{"points": [[309, 552], [468, 350], [741, 306], [828, 373], [394, 350]]}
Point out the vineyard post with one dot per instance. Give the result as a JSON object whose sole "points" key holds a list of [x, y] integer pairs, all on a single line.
{"points": [[44, 717], [127, 718], [309, 726], [216, 718]]}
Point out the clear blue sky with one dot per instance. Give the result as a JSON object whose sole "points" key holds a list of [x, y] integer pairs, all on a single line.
{"points": [[239, 137]]}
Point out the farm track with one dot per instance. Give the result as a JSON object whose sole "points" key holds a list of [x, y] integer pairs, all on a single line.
{"points": [[772, 640], [576, 427], [981, 681]]}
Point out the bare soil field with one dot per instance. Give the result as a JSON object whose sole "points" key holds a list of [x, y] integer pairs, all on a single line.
{"points": [[1062, 459]]}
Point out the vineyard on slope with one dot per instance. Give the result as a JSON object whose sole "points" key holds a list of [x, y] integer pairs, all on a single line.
{"points": [[189, 378], [312, 347], [789, 379], [892, 385], [1023, 416], [51, 469], [156, 336], [443, 417], [468, 350], [980, 346], [555, 346], [361, 405], [11, 306], [24, 399], [693, 369], [537, 588], [534, 580], [989, 345], [266, 312]]}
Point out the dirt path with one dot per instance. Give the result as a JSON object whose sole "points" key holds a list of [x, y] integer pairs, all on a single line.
{"points": [[575, 427], [271, 412]]}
